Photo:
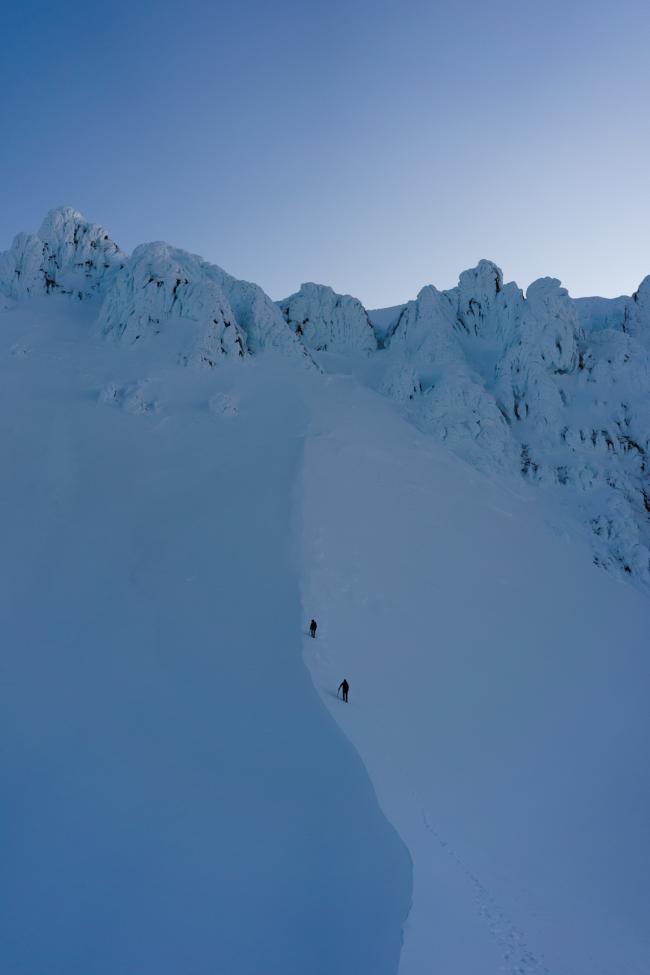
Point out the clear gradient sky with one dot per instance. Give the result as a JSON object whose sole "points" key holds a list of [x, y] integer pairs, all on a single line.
{"points": [[374, 146]]}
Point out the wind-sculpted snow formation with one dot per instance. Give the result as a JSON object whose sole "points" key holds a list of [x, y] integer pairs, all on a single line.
{"points": [[543, 386], [329, 322]]}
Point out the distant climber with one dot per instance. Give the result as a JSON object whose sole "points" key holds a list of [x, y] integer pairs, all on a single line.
{"points": [[312, 629], [344, 687]]}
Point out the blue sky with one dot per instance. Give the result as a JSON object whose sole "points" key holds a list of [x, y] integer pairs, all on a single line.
{"points": [[376, 147]]}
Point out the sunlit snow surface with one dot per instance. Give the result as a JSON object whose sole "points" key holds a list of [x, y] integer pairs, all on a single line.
{"points": [[175, 796]]}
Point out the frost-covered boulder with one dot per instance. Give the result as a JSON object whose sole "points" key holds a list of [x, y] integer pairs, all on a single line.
{"points": [[326, 321], [201, 313], [69, 255]]}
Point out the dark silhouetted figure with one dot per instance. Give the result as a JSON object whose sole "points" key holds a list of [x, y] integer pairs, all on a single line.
{"points": [[312, 629], [344, 687]]}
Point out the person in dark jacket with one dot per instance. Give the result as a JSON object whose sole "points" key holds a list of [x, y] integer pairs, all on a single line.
{"points": [[312, 629], [344, 687]]}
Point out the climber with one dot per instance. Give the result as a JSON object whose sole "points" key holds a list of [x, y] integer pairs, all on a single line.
{"points": [[345, 687], [312, 629]]}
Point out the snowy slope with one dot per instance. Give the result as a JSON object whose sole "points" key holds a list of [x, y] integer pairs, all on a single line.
{"points": [[174, 797], [498, 696], [184, 489]]}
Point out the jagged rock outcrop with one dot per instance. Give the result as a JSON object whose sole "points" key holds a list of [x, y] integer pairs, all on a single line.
{"points": [[161, 291], [203, 312], [329, 322], [543, 346], [199, 311], [68, 256], [453, 339], [544, 386]]}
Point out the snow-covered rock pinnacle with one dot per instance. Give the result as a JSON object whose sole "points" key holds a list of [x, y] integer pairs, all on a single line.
{"points": [[329, 322], [202, 312], [69, 255], [161, 290]]}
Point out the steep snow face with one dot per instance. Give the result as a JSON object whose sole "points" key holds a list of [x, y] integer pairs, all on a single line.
{"points": [[328, 322], [68, 255], [498, 696], [540, 386], [204, 313], [175, 798]]}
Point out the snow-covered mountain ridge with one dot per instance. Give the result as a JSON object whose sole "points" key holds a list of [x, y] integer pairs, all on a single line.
{"points": [[541, 386], [554, 389], [203, 313], [176, 796]]}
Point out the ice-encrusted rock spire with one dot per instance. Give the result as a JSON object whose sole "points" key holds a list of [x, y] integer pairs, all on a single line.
{"points": [[326, 321], [485, 306], [69, 255], [544, 346]]}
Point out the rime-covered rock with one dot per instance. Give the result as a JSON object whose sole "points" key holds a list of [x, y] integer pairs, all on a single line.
{"points": [[258, 316], [543, 347], [162, 291], [554, 390], [197, 309], [447, 394], [69, 255], [548, 388], [485, 306], [326, 321], [201, 313]]}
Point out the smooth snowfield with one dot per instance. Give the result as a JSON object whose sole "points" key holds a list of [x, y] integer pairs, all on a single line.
{"points": [[498, 696], [175, 798]]}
